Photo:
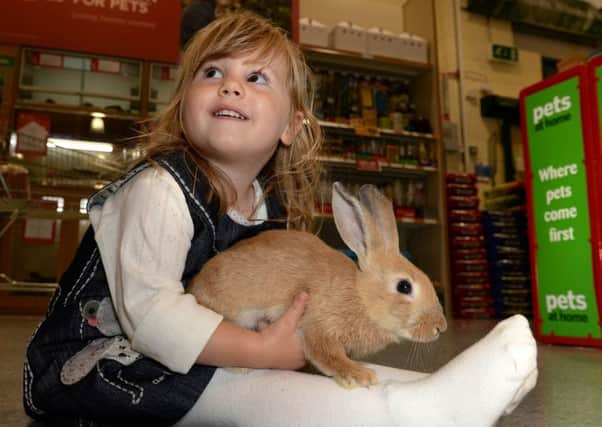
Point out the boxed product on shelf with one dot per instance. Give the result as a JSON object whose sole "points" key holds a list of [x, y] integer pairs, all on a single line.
{"points": [[508, 188], [407, 195], [466, 228], [461, 178], [470, 266], [348, 36], [461, 202], [314, 33], [466, 242], [508, 239], [413, 48], [381, 42], [471, 277], [461, 190], [472, 289], [510, 195], [464, 215], [506, 282], [470, 254]]}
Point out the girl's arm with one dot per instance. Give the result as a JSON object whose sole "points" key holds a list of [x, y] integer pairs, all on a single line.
{"points": [[276, 346], [143, 234]]}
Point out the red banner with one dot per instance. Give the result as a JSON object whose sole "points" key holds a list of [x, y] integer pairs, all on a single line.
{"points": [[144, 29]]}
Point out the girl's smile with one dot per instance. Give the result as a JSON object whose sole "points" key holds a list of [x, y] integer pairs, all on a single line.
{"points": [[229, 113]]}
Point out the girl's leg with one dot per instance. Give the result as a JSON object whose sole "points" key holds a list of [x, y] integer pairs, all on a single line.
{"points": [[271, 398], [474, 389]]}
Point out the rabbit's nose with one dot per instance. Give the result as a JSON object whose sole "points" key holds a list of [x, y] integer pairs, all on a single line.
{"points": [[440, 326], [443, 326]]}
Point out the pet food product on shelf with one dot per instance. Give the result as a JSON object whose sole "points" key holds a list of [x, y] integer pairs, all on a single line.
{"points": [[471, 289]]}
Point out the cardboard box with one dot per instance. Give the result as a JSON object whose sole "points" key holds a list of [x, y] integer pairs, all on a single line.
{"points": [[314, 33], [413, 48], [348, 37], [382, 43]]}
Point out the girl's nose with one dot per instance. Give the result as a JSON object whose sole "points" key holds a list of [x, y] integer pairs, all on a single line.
{"points": [[231, 87]]}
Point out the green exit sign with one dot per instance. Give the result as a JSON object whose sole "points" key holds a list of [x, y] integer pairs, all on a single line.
{"points": [[7, 61], [503, 53]]}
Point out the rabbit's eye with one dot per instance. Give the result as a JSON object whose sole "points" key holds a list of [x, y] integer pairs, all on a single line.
{"points": [[404, 287]]}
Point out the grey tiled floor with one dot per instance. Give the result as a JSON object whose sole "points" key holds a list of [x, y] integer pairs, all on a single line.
{"points": [[568, 393]]}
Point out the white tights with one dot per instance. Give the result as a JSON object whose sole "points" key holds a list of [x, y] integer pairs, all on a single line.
{"points": [[474, 389]]}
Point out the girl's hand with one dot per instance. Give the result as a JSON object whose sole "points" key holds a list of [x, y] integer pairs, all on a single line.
{"points": [[275, 346], [282, 345]]}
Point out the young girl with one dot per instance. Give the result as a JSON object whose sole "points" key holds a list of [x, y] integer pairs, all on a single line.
{"points": [[233, 154]]}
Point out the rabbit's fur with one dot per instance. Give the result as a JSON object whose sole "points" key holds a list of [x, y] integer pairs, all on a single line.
{"points": [[353, 310]]}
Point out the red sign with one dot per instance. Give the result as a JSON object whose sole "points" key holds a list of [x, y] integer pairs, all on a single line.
{"points": [[33, 129], [168, 73], [105, 66], [145, 29], [45, 59]]}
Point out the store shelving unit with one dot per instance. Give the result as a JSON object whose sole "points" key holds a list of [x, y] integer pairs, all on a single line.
{"points": [[80, 81], [161, 81], [423, 236], [368, 63]]}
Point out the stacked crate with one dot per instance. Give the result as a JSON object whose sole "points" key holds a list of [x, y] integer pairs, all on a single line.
{"points": [[505, 223], [470, 270]]}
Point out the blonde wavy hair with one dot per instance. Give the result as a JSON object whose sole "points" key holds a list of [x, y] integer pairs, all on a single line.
{"points": [[293, 172]]}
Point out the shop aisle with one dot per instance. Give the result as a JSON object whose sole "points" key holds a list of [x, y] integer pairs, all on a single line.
{"points": [[568, 392]]}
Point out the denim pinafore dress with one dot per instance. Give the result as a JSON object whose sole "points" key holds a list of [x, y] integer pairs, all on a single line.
{"points": [[79, 368]]}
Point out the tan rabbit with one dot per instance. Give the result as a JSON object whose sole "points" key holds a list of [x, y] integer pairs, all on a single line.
{"points": [[353, 310]]}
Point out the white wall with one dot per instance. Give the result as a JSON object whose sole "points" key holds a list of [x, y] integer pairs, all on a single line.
{"points": [[386, 14], [481, 76]]}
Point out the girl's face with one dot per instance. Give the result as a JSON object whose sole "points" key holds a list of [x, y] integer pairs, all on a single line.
{"points": [[237, 111]]}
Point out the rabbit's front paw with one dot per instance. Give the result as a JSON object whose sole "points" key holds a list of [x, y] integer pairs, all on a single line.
{"points": [[518, 352], [358, 376]]}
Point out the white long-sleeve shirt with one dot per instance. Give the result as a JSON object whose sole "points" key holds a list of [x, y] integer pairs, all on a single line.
{"points": [[143, 234]]}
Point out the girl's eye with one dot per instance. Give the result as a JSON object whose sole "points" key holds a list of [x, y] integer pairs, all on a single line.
{"points": [[258, 78], [213, 73]]}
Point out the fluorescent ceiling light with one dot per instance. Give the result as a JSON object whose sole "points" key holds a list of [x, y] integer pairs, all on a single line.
{"points": [[76, 144]]}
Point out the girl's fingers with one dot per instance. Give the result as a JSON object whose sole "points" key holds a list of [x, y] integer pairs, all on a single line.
{"points": [[295, 311]]}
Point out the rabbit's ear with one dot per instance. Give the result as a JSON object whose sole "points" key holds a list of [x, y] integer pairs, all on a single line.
{"points": [[381, 209], [350, 220]]}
